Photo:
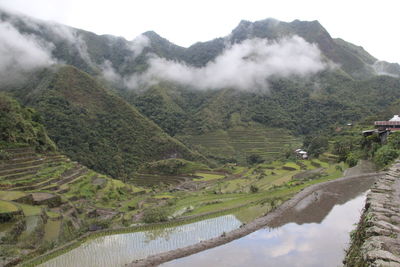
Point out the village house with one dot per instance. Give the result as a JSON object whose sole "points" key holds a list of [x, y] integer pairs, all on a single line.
{"points": [[384, 128]]}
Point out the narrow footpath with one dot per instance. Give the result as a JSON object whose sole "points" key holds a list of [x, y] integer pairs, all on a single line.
{"points": [[376, 241]]}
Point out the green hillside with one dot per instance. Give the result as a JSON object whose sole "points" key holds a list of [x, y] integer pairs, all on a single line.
{"points": [[95, 127], [240, 142], [21, 126]]}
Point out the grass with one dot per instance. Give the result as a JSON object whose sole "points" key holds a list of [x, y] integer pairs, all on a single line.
{"points": [[234, 185], [251, 213], [238, 169], [208, 176], [240, 142], [292, 165], [53, 215], [219, 196], [205, 203], [11, 195], [30, 210], [51, 230], [7, 207], [164, 196]]}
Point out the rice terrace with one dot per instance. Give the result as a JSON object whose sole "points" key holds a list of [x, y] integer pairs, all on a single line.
{"points": [[258, 142]]}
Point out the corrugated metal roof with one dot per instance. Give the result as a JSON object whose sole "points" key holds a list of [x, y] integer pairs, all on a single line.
{"points": [[395, 118]]}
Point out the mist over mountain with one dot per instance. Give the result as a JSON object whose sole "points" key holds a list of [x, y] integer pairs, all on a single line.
{"points": [[268, 73], [150, 57]]}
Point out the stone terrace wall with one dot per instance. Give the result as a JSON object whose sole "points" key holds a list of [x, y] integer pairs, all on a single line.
{"points": [[376, 241]]}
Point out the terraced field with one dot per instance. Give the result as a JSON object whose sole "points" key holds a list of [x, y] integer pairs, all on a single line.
{"points": [[240, 142], [149, 180], [27, 171], [46, 198]]}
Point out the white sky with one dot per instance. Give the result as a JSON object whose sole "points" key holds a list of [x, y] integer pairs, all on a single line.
{"points": [[372, 24]]}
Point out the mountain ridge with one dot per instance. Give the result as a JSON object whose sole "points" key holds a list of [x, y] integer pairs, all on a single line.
{"points": [[301, 102], [117, 50]]}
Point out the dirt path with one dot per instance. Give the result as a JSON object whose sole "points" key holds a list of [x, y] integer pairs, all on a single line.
{"points": [[302, 198]]}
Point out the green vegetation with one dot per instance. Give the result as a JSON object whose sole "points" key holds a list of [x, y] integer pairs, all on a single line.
{"points": [[208, 176], [30, 210], [172, 167], [156, 214], [351, 146], [96, 127], [197, 153], [21, 127], [11, 195], [7, 207], [241, 144]]}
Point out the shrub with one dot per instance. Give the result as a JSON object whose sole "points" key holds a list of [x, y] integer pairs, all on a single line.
{"points": [[352, 159], [287, 168], [4, 155], [385, 155], [315, 164], [156, 214], [254, 159], [254, 189]]}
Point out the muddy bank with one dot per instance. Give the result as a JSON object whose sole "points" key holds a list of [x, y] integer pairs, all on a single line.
{"points": [[376, 241], [315, 194]]}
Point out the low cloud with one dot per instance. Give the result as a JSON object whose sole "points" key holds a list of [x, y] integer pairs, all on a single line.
{"points": [[70, 36], [386, 68], [138, 44], [109, 72], [244, 66], [20, 53]]}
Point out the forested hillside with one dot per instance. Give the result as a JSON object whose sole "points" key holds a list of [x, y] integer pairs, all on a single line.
{"points": [[96, 127], [115, 104], [21, 127]]}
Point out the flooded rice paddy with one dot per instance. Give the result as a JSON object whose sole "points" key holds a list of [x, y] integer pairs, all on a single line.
{"points": [[120, 249], [314, 232], [308, 244]]}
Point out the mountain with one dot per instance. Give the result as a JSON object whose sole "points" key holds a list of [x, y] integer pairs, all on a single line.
{"points": [[134, 99], [94, 126], [22, 126], [88, 51]]}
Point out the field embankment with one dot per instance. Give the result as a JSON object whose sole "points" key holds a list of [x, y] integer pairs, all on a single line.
{"points": [[376, 241], [299, 199]]}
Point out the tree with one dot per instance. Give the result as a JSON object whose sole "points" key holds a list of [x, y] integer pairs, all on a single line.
{"points": [[394, 140], [385, 155], [253, 189], [254, 159], [316, 145]]}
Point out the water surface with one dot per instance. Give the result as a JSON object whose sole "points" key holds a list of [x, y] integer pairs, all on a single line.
{"points": [[319, 244], [120, 249], [315, 232]]}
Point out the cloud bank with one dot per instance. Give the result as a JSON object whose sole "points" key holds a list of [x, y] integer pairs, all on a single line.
{"points": [[244, 66], [20, 53], [138, 44]]}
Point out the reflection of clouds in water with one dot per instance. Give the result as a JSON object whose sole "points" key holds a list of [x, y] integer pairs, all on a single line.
{"points": [[289, 243], [236, 256], [311, 245]]}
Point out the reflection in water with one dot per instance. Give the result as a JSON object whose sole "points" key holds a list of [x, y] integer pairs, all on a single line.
{"points": [[120, 249], [315, 207], [309, 244]]}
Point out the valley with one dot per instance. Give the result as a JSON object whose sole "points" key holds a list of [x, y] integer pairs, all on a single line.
{"points": [[117, 152]]}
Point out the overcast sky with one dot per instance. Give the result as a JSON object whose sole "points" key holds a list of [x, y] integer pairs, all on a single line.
{"points": [[370, 23]]}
